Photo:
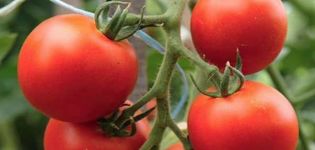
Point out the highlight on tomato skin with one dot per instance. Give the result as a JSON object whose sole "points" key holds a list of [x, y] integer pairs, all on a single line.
{"points": [[257, 117], [70, 71], [61, 135], [257, 28]]}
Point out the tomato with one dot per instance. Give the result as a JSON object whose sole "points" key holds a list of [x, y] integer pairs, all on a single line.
{"points": [[176, 146], [256, 27], [61, 135], [257, 117], [70, 71]]}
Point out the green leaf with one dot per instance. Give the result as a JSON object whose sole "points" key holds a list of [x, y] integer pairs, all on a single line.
{"points": [[11, 107], [6, 43]]}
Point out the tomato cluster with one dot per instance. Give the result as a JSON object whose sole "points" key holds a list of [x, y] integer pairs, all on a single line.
{"points": [[75, 75], [71, 72], [257, 117]]}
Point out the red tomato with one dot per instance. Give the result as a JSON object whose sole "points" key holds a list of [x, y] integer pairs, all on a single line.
{"points": [[257, 117], [70, 71], [256, 27], [88, 136], [177, 146]]}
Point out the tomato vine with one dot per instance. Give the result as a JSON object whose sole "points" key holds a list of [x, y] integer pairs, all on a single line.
{"points": [[174, 50]]}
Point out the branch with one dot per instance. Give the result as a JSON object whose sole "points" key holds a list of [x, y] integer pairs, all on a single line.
{"points": [[193, 57], [133, 19]]}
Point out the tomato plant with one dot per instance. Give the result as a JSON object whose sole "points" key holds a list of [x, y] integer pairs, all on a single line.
{"points": [[257, 28], [80, 71], [70, 71], [71, 136], [256, 117]]}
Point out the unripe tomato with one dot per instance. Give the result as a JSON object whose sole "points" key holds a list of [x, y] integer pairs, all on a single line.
{"points": [[257, 117], [256, 27], [89, 136], [70, 71]]}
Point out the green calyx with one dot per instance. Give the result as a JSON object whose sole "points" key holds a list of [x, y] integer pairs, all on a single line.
{"points": [[114, 28], [116, 124], [232, 80]]}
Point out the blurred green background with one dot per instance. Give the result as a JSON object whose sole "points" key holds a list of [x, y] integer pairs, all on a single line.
{"points": [[22, 127]]}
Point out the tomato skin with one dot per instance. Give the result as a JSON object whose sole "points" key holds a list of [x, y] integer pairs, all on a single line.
{"points": [[61, 135], [255, 118], [256, 27], [70, 71]]}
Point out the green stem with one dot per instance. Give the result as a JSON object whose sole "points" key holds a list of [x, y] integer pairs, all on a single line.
{"points": [[282, 87], [133, 19], [211, 69], [141, 102], [160, 124], [181, 135], [162, 83]]}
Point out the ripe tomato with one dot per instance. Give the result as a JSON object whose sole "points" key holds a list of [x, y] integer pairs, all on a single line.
{"points": [[70, 71], [257, 117], [176, 146], [88, 136], [256, 27]]}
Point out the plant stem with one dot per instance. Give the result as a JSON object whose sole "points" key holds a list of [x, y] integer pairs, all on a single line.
{"points": [[133, 19], [211, 69], [282, 87], [181, 136], [162, 83], [160, 124]]}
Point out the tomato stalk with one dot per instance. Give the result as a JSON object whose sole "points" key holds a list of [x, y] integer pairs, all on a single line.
{"points": [[160, 88], [280, 84]]}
